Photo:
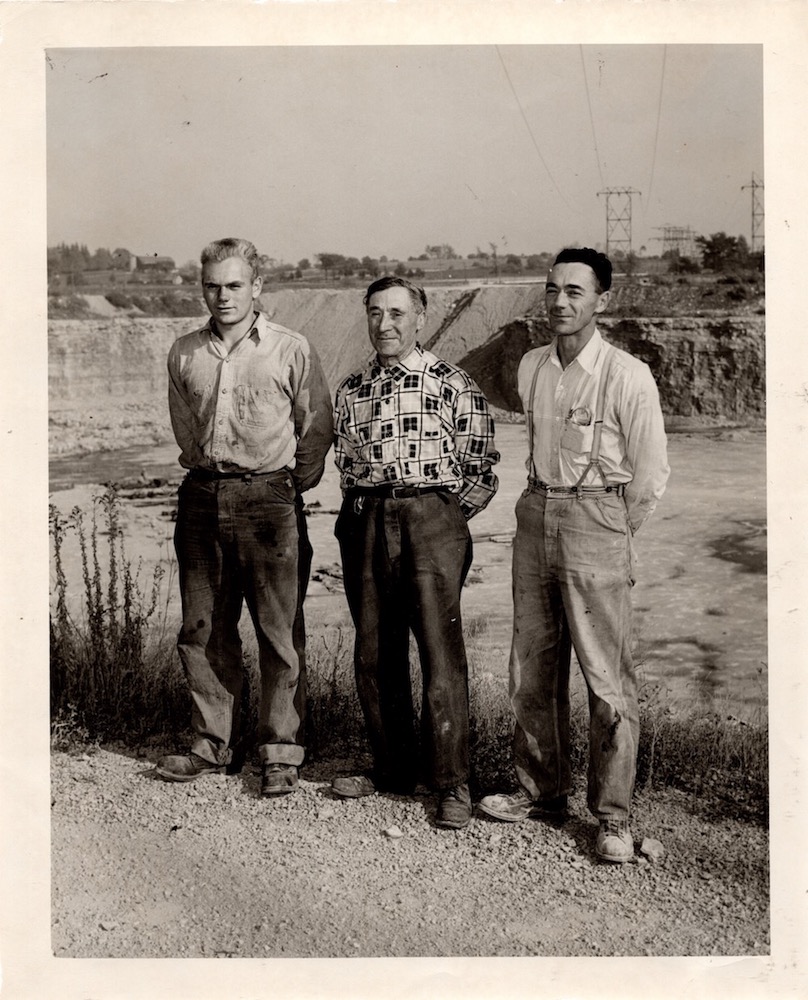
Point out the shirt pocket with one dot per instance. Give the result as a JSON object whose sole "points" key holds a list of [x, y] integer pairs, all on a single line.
{"points": [[577, 438], [254, 407]]}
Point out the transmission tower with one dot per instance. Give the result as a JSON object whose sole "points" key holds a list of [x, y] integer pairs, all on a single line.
{"points": [[757, 213], [681, 239], [618, 218]]}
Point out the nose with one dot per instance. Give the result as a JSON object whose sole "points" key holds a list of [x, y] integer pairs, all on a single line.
{"points": [[384, 322]]}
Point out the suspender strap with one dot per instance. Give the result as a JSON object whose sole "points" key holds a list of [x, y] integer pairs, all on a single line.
{"points": [[600, 409]]}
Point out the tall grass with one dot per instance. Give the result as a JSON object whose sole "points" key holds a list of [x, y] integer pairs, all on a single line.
{"points": [[112, 668], [115, 674]]}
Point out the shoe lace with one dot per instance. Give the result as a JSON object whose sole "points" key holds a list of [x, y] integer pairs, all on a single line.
{"points": [[457, 793], [614, 827]]}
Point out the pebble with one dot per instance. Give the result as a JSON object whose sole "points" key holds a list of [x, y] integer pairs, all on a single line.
{"points": [[652, 849], [393, 832]]}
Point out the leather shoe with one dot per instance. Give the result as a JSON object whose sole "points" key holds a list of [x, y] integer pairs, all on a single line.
{"points": [[519, 806], [278, 779], [454, 808], [186, 767], [354, 786], [615, 842]]}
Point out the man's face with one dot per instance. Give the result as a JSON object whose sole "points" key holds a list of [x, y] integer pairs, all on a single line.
{"points": [[393, 323], [229, 290], [572, 299]]}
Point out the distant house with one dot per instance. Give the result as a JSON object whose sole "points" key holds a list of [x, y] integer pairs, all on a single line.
{"points": [[155, 263]]}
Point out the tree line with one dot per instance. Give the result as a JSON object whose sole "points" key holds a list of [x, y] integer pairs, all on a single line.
{"points": [[718, 252]]}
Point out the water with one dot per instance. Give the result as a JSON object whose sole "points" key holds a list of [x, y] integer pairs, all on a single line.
{"points": [[121, 465]]}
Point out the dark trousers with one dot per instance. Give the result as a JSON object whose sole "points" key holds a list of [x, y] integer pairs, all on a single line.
{"points": [[243, 540], [404, 563]]}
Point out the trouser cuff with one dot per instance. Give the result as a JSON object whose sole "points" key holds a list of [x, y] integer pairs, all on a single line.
{"points": [[281, 753], [213, 753]]}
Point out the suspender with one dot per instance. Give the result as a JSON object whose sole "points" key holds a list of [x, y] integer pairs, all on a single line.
{"points": [[600, 407]]}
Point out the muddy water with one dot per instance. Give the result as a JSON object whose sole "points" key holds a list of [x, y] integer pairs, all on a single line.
{"points": [[121, 465], [700, 597]]}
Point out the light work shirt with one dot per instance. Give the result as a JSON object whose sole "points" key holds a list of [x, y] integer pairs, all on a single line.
{"points": [[421, 422], [633, 447], [261, 407]]}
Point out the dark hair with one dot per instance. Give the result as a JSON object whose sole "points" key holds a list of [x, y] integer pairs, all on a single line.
{"points": [[417, 294], [599, 263]]}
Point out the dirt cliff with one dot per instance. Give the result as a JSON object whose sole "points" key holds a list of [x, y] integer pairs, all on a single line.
{"points": [[107, 381]]}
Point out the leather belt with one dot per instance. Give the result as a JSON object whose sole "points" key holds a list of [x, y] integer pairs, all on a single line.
{"points": [[395, 492], [212, 474], [616, 489]]}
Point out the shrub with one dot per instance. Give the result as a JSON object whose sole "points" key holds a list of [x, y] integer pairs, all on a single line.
{"points": [[115, 674], [108, 670], [119, 300]]}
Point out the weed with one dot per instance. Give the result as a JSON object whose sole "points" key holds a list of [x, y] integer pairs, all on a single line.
{"points": [[107, 668], [115, 674]]}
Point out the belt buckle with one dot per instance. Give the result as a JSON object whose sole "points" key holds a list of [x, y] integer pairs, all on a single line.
{"points": [[398, 492]]}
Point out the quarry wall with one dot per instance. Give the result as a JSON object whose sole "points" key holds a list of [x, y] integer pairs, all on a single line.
{"points": [[107, 376]]}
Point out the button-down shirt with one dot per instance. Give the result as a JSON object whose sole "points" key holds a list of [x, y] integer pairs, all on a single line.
{"points": [[421, 422], [260, 407], [633, 448]]}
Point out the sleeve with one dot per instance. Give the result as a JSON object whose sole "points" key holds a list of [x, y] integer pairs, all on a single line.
{"points": [[314, 422], [183, 422], [643, 427], [475, 451]]}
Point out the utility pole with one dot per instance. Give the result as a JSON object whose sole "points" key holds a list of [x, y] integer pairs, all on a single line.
{"points": [[496, 262], [618, 218], [757, 213]]}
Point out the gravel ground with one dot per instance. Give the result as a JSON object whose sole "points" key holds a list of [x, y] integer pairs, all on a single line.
{"points": [[142, 868]]}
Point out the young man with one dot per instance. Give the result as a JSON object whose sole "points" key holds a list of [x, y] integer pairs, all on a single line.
{"points": [[598, 465], [251, 413], [415, 450]]}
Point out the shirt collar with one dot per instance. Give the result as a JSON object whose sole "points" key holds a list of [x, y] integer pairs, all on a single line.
{"points": [[412, 362], [259, 326], [588, 356]]}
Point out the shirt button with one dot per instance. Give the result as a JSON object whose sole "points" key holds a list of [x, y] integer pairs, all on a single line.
{"points": [[224, 392]]}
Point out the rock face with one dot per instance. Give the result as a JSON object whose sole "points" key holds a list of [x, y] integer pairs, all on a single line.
{"points": [[107, 376]]}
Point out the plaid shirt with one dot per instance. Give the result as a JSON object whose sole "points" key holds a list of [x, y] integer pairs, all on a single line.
{"points": [[422, 422]]}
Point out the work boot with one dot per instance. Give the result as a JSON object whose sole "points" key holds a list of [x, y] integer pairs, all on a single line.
{"points": [[278, 779], [519, 806], [186, 767], [615, 842], [454, 808]]}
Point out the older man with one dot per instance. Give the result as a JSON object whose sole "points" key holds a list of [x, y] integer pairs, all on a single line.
{"points": [[252, 415], [415, 451], [598, 465]]}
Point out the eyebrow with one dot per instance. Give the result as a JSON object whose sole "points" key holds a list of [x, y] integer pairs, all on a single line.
{"points": [[571, 284]]}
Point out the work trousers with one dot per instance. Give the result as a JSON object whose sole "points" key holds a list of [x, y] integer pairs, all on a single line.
{"points": [[572, 579], [243, 540], [404, 563]]}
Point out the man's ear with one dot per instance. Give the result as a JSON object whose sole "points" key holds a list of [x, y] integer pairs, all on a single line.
{"points": [[258, 284], [420, 320], [603, 301]]}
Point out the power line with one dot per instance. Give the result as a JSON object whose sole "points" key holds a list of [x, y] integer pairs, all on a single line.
{"points": [[529, 130], [658, 119], [591, 117]]}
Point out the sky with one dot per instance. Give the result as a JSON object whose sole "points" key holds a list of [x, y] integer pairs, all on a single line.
{"points": [[382, 150]]}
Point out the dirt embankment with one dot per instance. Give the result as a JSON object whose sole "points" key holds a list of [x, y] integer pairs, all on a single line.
{"points": [[107, 377]]}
